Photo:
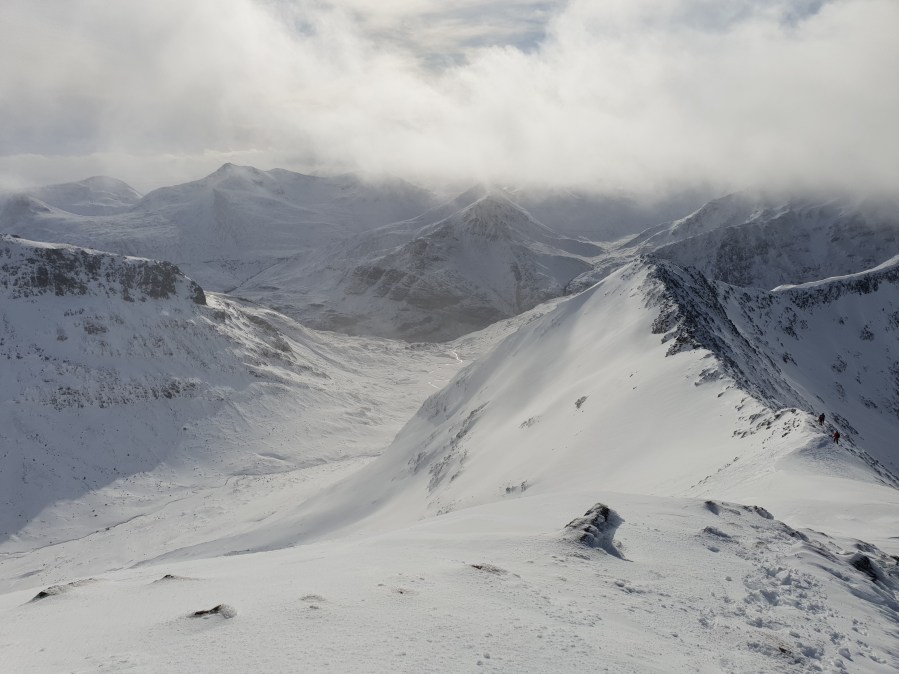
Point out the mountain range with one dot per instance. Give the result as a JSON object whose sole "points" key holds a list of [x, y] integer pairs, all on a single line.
{"points": [[266, 421]]}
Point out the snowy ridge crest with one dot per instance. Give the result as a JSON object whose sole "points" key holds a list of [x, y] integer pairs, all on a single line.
{"points": [[30, 269], [571, 391], [828, 345], [830, 290]]}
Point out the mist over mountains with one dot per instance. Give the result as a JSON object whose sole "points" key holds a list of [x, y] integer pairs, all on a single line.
{"points": [[443, 336], [329, 250]]}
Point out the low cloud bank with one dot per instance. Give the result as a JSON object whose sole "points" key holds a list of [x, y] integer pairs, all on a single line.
{"points": [[643, 96]]}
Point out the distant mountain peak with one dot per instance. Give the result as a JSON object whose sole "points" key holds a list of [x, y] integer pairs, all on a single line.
{"points": [[21, 205], [97, 195]]}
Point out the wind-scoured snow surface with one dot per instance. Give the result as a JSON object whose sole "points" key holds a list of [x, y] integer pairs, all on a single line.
{"points": [[631, 479]]}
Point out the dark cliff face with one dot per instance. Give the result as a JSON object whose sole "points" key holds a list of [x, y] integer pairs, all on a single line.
{"points": [[29, 270], [825, 346]]}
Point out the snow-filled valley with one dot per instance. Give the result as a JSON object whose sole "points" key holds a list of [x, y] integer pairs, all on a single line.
{"points": [[606, 457]]}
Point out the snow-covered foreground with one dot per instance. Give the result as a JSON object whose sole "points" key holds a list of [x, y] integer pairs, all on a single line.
{"points": [[686, 586], [686, 406]]}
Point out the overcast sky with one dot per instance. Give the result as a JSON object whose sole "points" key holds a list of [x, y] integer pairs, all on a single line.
{"points": [[636, 95]]}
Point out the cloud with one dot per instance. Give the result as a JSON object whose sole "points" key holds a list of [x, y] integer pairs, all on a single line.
{"points": [[638, 95]]}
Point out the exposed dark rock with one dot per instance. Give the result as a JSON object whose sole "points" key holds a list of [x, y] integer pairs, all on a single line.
{"points": [[489, 568], [596, 529], [224, 610], [170, 578], [30, 270], [712, 507], [55, 590]]}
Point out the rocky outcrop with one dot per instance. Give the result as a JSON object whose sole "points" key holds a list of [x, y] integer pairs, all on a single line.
{"points": [[596, 529], [29, 269]]}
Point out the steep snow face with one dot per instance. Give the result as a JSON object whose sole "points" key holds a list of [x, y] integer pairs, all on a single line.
{"points": [[828, 346], [126, 388], [488, 261], [657, 381], [99, 195], [763, 242], [792, 243]]}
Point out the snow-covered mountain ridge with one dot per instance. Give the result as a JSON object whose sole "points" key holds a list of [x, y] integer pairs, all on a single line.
{"points": [[744, 243], [810, 347], [188, 484], [721, 372], [98, 195], [221, 229], [432, 282], [29, 269], [396, 261], [655, 381]]}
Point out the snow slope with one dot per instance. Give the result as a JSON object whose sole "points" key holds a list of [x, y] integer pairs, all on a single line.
{"points": [[126, 388], [656, 381], [435, 281], [603, 217], [697, 587], [633, 480], [564, 504], [829, 345]]}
